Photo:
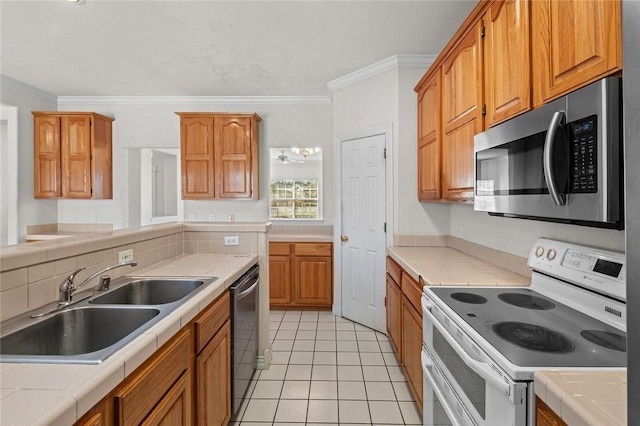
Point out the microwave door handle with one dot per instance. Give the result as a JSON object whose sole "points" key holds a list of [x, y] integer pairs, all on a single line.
{"points": [[558, 198], [482, 369], [444, 403]]}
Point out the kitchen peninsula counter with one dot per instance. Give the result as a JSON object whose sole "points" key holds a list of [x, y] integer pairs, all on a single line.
{"points": [[448, 266], [595, 398], [59, 394]]}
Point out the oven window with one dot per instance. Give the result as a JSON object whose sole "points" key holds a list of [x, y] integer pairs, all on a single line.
{"points": [[513, 168], [471, 383]]}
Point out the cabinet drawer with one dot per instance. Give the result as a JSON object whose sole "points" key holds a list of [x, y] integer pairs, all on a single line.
{"points": [[312, 249], [279, 249], [393, 269], [211, 320], [146, 386], [412, 290]]}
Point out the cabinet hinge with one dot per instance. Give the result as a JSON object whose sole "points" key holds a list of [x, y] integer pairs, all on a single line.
{"points": [[385, 302], [482, 31], [484, 110]]}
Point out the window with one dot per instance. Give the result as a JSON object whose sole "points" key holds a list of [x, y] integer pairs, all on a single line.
{"points": [[294, 199]]}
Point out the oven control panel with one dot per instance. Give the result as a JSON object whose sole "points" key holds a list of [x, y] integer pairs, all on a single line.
{"points": [[600, 270]]}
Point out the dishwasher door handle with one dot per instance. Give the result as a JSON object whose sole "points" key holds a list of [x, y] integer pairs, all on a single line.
{"points": [[249, 290]]}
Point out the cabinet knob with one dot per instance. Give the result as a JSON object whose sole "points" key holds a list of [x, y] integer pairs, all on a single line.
{"points": [[344, 238]]}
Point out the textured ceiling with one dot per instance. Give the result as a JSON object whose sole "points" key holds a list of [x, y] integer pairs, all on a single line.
{"points": [[212, 48]]}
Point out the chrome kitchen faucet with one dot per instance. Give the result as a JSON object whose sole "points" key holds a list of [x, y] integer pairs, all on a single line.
{"points": [[68, 288]]}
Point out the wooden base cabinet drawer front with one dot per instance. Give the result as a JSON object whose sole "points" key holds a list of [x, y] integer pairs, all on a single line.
{"points": [[393, 269], [146, 387], [312, 249], [412, 290], [211, 320]]}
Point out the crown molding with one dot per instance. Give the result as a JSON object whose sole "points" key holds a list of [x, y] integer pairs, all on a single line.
{"points": [[226, 100], [10, 83], [392, 63]]}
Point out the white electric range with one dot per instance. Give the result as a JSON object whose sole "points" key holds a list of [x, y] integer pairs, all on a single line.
{"points": [[482, 345]]}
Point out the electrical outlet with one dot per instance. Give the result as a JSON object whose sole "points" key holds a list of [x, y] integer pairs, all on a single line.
{"points": [[211, 218], [125, 256], [232, 218], [93, 218], [232, 241]]}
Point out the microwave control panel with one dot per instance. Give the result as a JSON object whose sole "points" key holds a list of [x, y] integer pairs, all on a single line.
{"points": [[584, 155]]}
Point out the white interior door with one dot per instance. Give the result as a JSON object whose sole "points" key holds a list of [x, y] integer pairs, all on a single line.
{"points": [[363, 231], [8, 175]]}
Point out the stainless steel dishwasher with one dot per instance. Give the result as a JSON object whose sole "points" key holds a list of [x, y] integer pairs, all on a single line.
{"points": [[244, 333]]}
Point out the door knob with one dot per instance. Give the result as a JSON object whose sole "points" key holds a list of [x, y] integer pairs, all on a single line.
{"points": [[344, 238]]}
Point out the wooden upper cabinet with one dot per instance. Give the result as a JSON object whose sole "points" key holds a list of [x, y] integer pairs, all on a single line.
{"points": [[507, 63], [429, 139], [462, 77], [196, 157], [462, 81], [574, 43], [72, 155], [219, 155]]}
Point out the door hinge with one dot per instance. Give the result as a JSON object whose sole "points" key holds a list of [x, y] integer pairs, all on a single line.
{"points": [[385, 227], [384, 153], [484, 109], [482, 31]]}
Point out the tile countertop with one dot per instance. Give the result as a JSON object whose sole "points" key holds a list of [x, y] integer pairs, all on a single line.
{"points": [[300, 238], [59, 394], [596, 398], [447, 266]]}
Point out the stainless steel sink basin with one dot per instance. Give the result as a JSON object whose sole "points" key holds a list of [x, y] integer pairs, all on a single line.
{"points": [[149, 291], [78, 334]]}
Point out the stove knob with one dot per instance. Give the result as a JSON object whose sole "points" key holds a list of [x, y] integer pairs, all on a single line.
{"points": [[539, 251], [551, 254]]}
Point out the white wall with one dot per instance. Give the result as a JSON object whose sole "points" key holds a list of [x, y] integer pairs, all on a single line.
{"points": [[155, 125], [27, 99]]}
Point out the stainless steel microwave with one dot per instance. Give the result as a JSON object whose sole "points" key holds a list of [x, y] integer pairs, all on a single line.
{"points": [[561, 162]]}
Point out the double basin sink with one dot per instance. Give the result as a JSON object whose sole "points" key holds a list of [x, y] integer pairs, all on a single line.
{"points": [[91, 330]]}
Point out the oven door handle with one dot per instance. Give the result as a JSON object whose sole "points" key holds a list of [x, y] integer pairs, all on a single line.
{"points": [[481, 368], [426, 364], [558, 198]]}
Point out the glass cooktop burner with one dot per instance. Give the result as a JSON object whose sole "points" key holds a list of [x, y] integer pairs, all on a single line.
{"points": [[533, 337], [527, 301], [607, 339], [475, 299]]}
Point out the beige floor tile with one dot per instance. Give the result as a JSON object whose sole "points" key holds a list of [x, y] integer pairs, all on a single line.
{"points": [[390, 359], [323, 390], [385, 412], [373, 373], [282, 345], [345, 326], [351, 390], [372, 358], [350, 373], [292, 410], [346, 346], [325, 358], [280, 358], [325, 345], [396, 374], [275, 372], [303, 345], [288, 326], [286, 335], [380, 391], [324, 372], [366, 336], [298, 372], [305, 358], [353, 412], [306, 334], [295, 389], [346, 335], [326, 319], [260, 410], [348, 358], [322, 411], [368, 346], [308, 326], [267, 389], [326, 335], [403, 393], [410, 413]]}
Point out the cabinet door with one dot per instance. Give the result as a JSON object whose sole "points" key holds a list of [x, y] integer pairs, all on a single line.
{"points": [[462, 114], [545, 416], [574, 43], [279, 280], [75, 148], [394, 316], [213, 375], [233, 156], [411, 348], [47, 159], [507, 60], [429, 140], [313, 281], [101, 158], [196, 153], [174, 409]]}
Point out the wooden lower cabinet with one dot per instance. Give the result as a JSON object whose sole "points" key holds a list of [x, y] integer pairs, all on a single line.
{"points": [[412, 348], [545, 416], [213, 372], [394, 316], [186, 382], [300, 275]]}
